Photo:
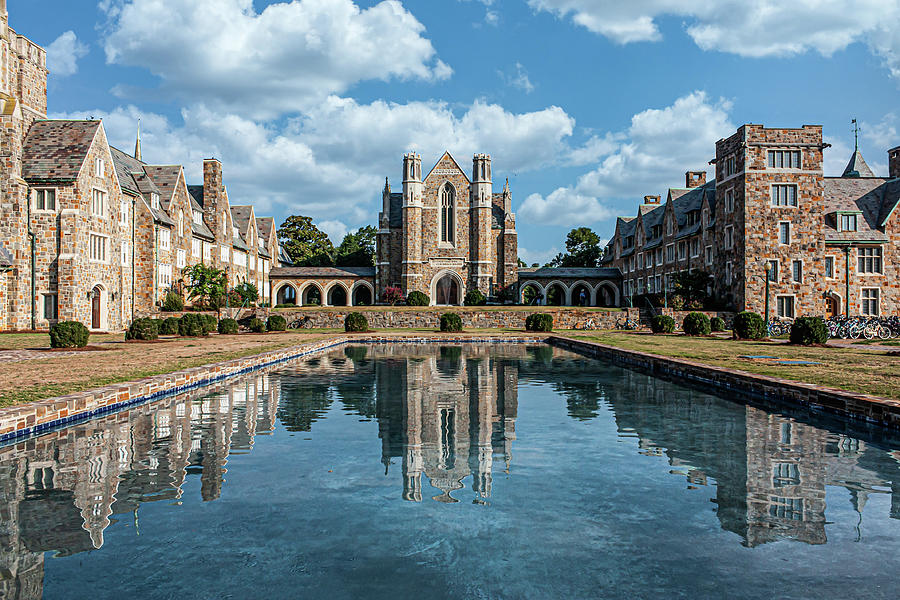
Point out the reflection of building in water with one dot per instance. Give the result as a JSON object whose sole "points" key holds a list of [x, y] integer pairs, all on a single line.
{"points": [[770, 470], [59, 492]]}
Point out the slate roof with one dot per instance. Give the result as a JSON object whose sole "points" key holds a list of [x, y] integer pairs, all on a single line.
{"points": [[166, 178], [857, 167], [196, 192], [395, 218], [320, 272], [264, 228], [240, 216], [55, 151], [569, 272], [133, 178], [5, 259], [239, 244], [857, 194]]}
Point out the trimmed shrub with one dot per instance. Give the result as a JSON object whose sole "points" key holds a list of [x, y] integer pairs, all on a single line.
{"points": [[417, 298], [474, 297], [717, 324], [257, 325], [210, 323], [173, 302], [662, 324], [228, 326], [276, 323], [355, 323], [191, 325], [168, 326], [451, 323], [696, 324], [291, 305], [749, 326], [808, 331], [539, 322], [392, 295], [143, 329], [69, 334]]}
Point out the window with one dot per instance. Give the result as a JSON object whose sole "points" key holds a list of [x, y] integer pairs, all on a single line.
{"points": [[196, 246], [98, 203], [198, 217], [695, 247], [784, 232], [252, 263], [870, 304], [51, 308], [784, 195], [729, 201], [165, 239], [682, 250], [784, 474], [165, 276], [829, 267], [784, 306], [640, 261], [154, 201], [240, 259], [98, 247], [786, 434], [640, 286], [659, 256], [786, 508], [100, 168], [658, 283], [234, 232], [123, 250], [797, 271], [207, 252], [847, 223], [729, 237], [180, 259], [773, 271], [224, 253], [784, 159], [728, 168], [44, 199], [869, 260], [448, 214], [181, 230], [123, 212], [709, 255], [728, 272], [670, 253]]}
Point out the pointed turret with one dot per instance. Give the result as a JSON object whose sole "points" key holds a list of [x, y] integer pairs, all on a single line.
{"points": [[137, 144], [857, 167], [507, 198]]}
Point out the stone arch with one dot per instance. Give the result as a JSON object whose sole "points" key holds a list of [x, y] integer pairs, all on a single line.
{"points": [[607, 294], [311, 291], [556, 294], [450, 276], [838, 303], [575, 293], [363, 294], [286, 293], [337, 294], [538, 289]]}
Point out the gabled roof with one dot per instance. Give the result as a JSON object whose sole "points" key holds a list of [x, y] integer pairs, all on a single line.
{"points": [[166, 179], [125, 166], [265, 227], [240, 217], [890, 202], [857, 167], [852, 194], [196, 192], [447, 154], [313, 272], [55, 151], [571, 272]]}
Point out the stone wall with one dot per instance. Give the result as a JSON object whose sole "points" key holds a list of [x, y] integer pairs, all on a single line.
{"points": [[679, 315]]}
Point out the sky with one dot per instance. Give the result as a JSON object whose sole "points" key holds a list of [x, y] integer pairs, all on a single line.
{"points": [[586, 106]]}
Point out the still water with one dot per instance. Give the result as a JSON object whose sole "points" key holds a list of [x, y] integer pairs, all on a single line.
{"points": [[468, 471]]}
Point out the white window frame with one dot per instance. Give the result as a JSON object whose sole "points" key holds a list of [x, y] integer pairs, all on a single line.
{"points": [[691, 243], [100, 168], [154, 201], [208, 250], [780, 306], [98, 196], [123, 250], [196, 248], [833, 260], [864, 302], [790, 233], [729, 237], [682, 250], [729, 272], [708, 255], [165, 275], [98, 248], [224, 254], [659, 257], [776, 156], [773, 272], [55, 305], [875, 259], [794, 263], [181, 258], [165, 239], [776, 202], [729, 200], [43, 193], [840, 223], [670, 253]]}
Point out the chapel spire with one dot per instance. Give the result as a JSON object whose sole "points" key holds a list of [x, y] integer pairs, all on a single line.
{"points": [[137, 144]]}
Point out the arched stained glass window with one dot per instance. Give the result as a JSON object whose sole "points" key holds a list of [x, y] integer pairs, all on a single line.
{"points": [[448, 214]]}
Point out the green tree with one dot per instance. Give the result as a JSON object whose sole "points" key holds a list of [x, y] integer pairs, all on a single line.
{"points": [[305, 244], [248, 293], [358, 248], [692, 287], [204, 283], [582, 248], [522, 264]]}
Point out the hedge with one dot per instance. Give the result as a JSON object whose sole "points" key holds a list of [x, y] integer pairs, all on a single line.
{"points": [[417, 298], [69, 334], [717, 324], [173, 302], [696, 324], [169, 326], [662, 324], [191, 325], [749, 326], [539, 322], [143, 329], [355, 323], [276, 323], [257, 325], [474, 297], [451, 323], [210, 323], [228, 326], [808, 331]]}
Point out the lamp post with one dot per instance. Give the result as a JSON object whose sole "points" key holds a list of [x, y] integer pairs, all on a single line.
{"points": [[768, 268]]}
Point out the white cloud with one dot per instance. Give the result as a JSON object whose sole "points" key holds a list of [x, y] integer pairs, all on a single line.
{"points": [[647, 158], [336, 230], [746, 27], [491, 16], [518, 78], [331, 162], [541, 257], [287, 57], [64, 53], [882, 135]]}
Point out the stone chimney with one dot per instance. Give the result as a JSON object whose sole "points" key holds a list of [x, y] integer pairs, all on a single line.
{"points": [[894, 162], [694, 179], [213, 195], [652, 199]]}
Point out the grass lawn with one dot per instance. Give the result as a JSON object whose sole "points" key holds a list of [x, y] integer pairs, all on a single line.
{"points": [[847, 368], [443, 309]]}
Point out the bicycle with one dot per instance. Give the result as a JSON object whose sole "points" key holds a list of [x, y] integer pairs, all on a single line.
{"points": [[626, 324], [303, 323]]}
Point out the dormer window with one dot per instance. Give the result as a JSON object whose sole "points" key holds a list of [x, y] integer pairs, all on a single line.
{"points": [[848, 222], [154, 201], [198, 217], [234, 231]]}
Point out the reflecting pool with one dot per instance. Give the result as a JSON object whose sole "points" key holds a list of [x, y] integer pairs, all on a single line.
{"points": [[467, 471]]}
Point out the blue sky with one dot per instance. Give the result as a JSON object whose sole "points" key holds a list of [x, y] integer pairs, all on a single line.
{"points": [[586, 105]]}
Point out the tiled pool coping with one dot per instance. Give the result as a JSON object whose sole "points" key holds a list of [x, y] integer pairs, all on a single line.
{"points": [[881, 411], [37, 417]]}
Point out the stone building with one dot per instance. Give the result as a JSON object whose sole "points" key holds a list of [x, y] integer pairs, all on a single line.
{"points": [[93, 234], [831, 243]]}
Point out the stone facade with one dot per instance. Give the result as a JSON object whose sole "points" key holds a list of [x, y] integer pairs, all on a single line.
{"points": [[825, 239], [90, 233]]}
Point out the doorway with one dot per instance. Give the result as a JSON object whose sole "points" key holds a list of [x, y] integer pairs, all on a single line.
{"points": [[831, 307], [95, 308], [447, 291]]}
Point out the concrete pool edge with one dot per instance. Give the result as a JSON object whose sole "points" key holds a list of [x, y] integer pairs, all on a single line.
{"points": [[852, 406], [18, 422]]}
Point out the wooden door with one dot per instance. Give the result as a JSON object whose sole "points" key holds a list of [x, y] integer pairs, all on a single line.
{"points": [[830, 308], [95, 309]]}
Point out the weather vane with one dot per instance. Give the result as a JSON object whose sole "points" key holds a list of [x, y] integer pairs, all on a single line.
{"points": [[855, 134]]}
